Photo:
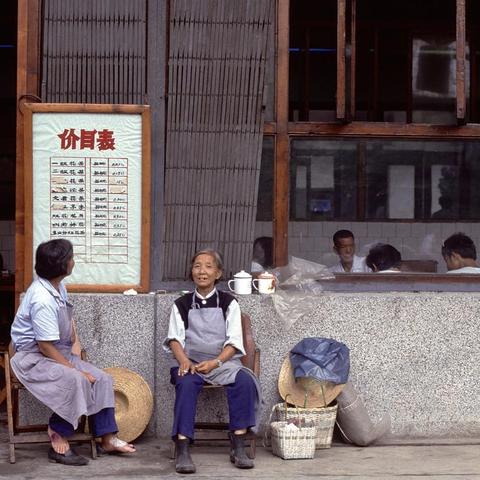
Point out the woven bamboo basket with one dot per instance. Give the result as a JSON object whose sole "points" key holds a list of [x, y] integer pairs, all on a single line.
{"points": [[292, 444], [322, 417]]}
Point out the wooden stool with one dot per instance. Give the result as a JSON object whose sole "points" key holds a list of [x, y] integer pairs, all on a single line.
{"points": [[18, 434], [3, 391]]}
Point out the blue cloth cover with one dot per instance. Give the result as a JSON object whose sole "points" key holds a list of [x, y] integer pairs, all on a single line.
{"points": [[322, 359]]}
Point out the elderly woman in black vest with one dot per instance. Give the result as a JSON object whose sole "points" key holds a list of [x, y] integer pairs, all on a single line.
{"points": [[205, 338]]}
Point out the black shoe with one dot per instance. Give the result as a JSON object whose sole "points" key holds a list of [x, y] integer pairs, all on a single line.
{"points": [[237, 452], [70, 457], [183, 460]]}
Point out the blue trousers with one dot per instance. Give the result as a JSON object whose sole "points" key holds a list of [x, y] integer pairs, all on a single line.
{"points": [[241, 396], [101, 423]]}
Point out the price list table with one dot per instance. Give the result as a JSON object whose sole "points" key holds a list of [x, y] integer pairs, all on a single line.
{"points": [[89, 206]]}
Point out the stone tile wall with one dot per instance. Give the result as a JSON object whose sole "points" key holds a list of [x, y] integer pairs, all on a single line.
{"points": [[414, 356]]}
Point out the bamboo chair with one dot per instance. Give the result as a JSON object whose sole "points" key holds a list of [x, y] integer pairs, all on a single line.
{"points": [[21, 434]]}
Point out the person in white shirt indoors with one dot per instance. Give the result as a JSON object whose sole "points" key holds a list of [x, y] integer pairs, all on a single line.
{"points": [[460, 254], [344, 247], [384, 258]]}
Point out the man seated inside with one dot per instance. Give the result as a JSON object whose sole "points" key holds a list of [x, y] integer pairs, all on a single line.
{"points": [[384, 258], [344, 247], [460, 254]]}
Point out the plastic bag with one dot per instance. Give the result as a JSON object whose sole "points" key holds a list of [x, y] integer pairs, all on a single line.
{"points": [[302, 274], [323, 359], [297, 287]]}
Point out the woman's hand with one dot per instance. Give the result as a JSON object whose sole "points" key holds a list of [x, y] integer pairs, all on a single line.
{"points": [[185, 367], [89, 377], [206, 366]]}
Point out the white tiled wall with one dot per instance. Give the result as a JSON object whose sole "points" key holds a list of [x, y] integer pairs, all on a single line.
{"points": [[7, 244], [415, 241]]}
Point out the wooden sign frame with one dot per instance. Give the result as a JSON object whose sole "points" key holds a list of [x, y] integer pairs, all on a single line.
{"points": [[30, 109]]}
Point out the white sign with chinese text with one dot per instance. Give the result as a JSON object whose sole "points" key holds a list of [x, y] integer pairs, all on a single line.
{"points": [[87, 171]]}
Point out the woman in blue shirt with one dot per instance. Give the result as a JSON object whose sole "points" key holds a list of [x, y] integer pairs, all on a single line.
{"points": [[48, 364]]}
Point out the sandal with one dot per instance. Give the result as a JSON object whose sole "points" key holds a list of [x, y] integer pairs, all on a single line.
{"points": [[70, 457], [117, 447]]}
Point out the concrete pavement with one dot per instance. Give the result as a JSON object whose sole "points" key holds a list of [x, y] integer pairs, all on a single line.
{"points": [[402, 461]]}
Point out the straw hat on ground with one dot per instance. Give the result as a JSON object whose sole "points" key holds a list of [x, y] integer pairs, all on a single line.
{"points": [[305, 391], [133, 402]]}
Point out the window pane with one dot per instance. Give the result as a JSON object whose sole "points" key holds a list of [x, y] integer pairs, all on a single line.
{"points": [[405, 68], [433, 79], [313, 60], [401, 191], [412, 194], [412, 179], [323, 178]]}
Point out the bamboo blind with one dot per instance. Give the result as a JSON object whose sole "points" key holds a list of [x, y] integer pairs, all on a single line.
{"points": [[217, 60], [94, 51]]}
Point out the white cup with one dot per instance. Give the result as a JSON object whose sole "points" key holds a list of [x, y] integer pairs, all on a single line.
{"points": [[242, 283], [265, 283]]}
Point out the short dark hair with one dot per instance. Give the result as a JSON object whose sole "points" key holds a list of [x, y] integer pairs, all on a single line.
{"points": [[214, 254], [342, 234], [383, 256], [461, 244], [51, 258], [266, 243]]}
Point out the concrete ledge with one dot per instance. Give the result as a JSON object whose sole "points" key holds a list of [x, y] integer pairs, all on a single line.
{"points": [[413, 355]]}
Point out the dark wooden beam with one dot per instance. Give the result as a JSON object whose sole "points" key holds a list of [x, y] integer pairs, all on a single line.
{"points": [[460, 78], [157, 49], [341, 8], [28, 62], [281, 169], [383, 129], [353, 59]]}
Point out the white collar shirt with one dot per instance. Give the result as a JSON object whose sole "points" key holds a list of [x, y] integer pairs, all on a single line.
{"points": [[358, 266]]}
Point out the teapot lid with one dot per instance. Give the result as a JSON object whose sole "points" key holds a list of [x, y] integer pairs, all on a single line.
{"points": [[242, 274]]}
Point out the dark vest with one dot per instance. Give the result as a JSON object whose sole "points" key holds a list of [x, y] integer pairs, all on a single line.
{"points": [[184, 304]]}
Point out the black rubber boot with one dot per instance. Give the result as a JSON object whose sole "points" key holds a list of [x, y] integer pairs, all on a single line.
{"points": [[237, 452], [183, 460]]}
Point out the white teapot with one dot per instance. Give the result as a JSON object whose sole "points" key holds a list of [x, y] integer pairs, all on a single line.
{"points": [[242, 283]]}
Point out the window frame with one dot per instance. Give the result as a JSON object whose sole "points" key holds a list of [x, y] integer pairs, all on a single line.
{"points": [[284, 130]]}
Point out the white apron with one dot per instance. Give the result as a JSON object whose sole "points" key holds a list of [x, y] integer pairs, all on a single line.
{"points": [[64, 390]]}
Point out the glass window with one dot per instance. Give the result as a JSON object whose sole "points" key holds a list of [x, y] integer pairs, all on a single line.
{"points": [[323, 176], [409, 179], [410, 193], [313, 60], [402, 179], [405, 66], [433, 79], [405, 60]]}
